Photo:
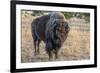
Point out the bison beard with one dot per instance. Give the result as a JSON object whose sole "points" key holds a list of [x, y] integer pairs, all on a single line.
{"points": [[52, 29]]}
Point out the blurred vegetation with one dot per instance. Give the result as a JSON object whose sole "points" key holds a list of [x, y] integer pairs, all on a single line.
{"points": [[37, 13], [85, 16], [68, 15]]}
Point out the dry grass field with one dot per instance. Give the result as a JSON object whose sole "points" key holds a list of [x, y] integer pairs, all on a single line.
{"points": [[76, 47]]}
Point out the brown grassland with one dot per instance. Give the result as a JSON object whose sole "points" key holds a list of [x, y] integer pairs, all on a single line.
{"points": [[76, 46]]}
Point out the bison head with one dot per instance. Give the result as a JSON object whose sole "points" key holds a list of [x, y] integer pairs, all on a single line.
{"points": [[57, 30]]}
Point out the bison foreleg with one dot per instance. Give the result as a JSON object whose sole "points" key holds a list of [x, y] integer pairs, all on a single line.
{"points": [[50, 55], [56, 54]]}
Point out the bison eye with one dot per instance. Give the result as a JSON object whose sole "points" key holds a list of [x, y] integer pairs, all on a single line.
{"points": [[66, 27]]}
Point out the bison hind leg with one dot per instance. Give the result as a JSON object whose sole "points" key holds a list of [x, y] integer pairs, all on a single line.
{"points": [[38, 43], [35, 40], [36, 46]]}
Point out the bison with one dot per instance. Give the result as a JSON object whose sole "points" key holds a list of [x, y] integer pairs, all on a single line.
{"points": [[52, 29]]}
